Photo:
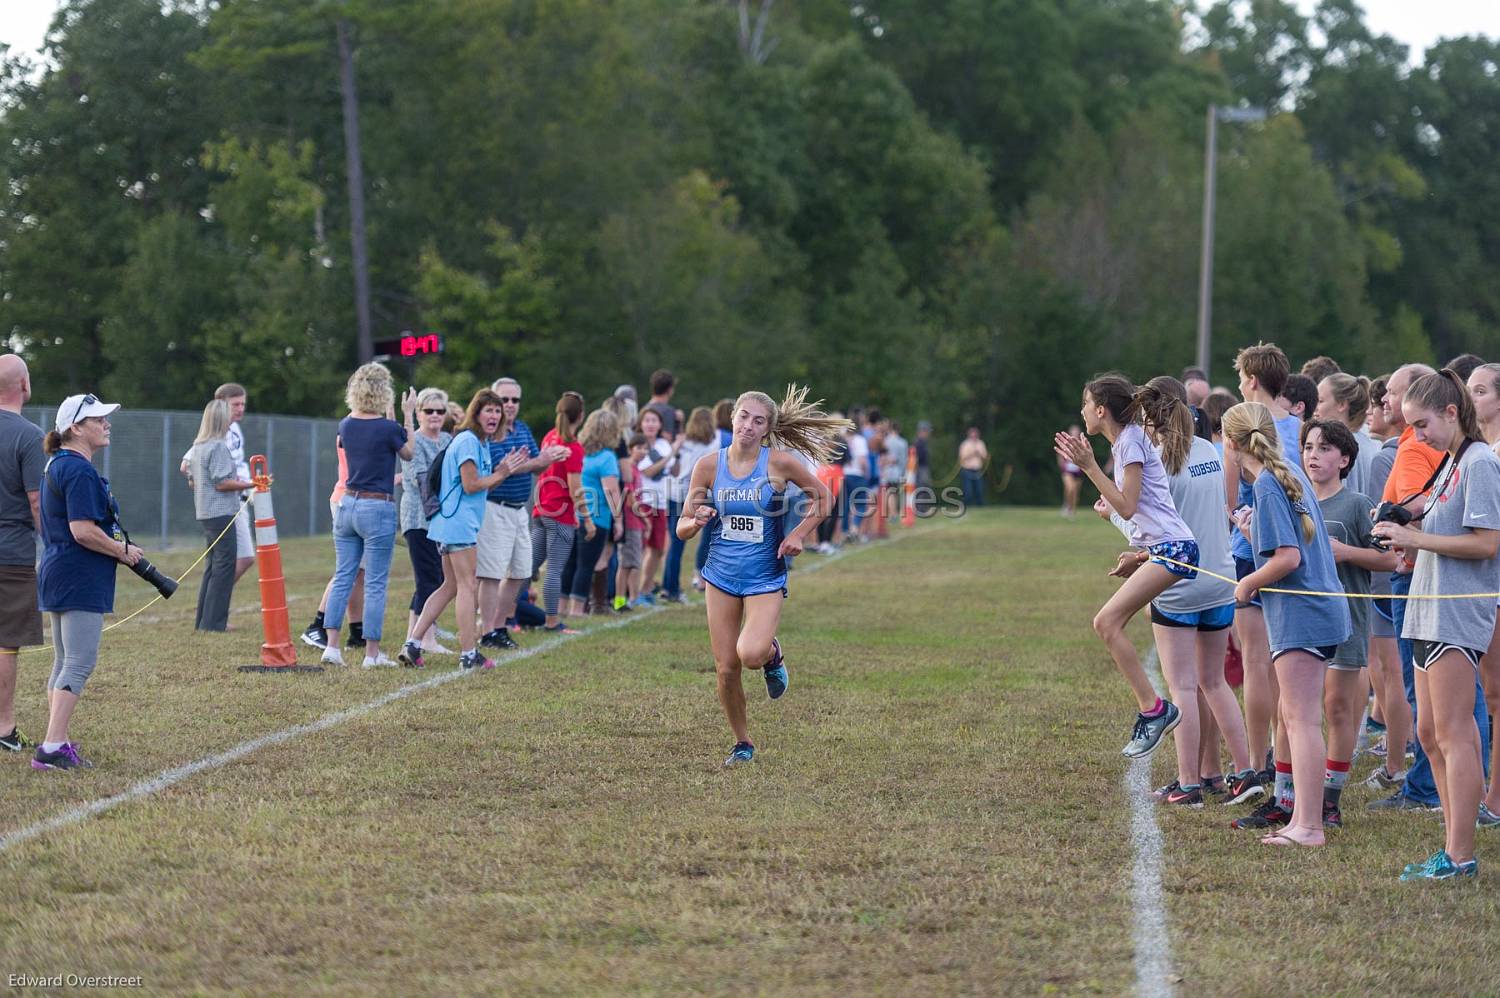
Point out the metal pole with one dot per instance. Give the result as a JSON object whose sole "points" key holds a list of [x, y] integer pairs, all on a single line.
{"points": [[312, 479], [356, 180], [1206, 266], [166, 472]]}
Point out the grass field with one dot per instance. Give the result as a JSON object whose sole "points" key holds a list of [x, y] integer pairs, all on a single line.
{"points": [[936, 808]]}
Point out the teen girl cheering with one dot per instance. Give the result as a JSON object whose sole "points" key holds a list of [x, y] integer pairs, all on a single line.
{"points": [[1291, 551], [738, 493], [1190, 621], [1456, 546], [1140, 494]]}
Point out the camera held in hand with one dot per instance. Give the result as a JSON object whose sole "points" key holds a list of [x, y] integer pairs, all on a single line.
{"points": [[165, 584], [1390, 512]]}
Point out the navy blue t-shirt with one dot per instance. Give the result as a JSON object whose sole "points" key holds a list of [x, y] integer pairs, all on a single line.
{"points": [[371, 447], [514, 488], [71, 576]]}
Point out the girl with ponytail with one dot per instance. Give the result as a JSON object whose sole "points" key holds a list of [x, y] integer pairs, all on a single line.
{"points": [[1484, 390], [1290, 547], [1190, 621], [1456, 543], [738, 494], [1139, 493], [1346, 398]]}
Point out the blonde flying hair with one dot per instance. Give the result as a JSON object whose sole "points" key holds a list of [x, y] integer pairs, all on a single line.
{"points": [[1253, 431], [370, 389], [600, 431], [215, 425], [799, 425]]}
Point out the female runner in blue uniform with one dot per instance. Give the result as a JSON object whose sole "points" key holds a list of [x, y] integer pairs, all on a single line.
{"points": [[738, 493]]}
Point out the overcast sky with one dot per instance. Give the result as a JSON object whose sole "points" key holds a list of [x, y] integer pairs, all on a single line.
{"points": [[1418, 23]]}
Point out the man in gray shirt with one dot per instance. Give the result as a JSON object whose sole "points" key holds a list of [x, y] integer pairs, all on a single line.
{"points": [[20, 517]]}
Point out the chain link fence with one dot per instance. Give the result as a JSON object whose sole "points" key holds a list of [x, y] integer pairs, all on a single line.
{"points": [[156, 505]]}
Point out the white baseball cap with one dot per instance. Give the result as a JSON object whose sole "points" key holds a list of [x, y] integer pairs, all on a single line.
{"points": [[76, 408]]}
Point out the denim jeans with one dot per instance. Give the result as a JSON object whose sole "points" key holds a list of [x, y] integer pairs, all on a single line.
{"points": [[671, 573], [1419, 785], [856, 506], [973, 483], [363, 530]]}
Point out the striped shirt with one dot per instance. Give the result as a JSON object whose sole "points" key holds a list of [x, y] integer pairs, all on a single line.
{"points": [[515, 488]]}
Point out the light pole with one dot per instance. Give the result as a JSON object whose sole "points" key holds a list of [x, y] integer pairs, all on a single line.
{"points": [[1216, 114]]}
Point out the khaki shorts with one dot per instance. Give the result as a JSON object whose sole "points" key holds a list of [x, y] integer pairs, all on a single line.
{"points": [[244, 543], [504, 543], [630, 548], [20, 620]]}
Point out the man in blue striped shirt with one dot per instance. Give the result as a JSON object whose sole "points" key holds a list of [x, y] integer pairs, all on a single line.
{"points": [[504, 549]]}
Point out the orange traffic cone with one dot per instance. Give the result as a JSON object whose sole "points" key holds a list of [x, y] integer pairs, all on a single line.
{"points": [[277, 654], [909, 512]]}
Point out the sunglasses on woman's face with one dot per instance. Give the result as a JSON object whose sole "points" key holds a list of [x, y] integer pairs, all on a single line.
{"points": [[435, 412]]}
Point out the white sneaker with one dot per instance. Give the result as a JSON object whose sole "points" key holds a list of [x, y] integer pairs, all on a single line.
{"points": [[381, 661], [436, 649], [332, 656], [443, 635]]}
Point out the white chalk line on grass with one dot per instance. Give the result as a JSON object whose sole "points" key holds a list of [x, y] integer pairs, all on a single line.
{"points": [[171, 777], [1153, 941]]}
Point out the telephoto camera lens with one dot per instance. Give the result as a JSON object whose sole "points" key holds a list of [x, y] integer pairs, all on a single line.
{"points": [[165, 584]]}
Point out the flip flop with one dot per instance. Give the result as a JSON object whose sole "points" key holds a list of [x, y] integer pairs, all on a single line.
{"points": [[1283, 840]]}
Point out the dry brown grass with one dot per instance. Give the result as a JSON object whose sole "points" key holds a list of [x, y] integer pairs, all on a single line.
{"points": [[935, 809]]}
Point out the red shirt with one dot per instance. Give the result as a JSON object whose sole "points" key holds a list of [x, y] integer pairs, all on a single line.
{"points": [[552, 496]]}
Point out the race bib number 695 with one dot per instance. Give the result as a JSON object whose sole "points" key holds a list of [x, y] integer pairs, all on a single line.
{"points": [[743, 529]]}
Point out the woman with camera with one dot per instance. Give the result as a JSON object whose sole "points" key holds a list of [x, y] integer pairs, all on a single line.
{"points": [[76, 580], [216, 502], [1456, 544]]}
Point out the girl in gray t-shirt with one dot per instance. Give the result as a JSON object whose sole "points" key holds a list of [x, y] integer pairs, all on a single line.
{"points": [[1456, 543], [1139, 493]]}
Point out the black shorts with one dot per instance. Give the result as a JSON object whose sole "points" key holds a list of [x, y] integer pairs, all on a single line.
{"points": [[1426, 653], [1324, 652], [1242, 568]]}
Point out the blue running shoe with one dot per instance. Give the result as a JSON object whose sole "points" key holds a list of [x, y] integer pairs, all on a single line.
{"points": [[776, 675], [1442, 867], [743, 752]]}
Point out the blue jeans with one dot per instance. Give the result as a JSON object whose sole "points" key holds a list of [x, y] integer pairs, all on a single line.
{"points": [[857, 488], [1419, 785], [671, 573], [973, 483], [362, 529]]}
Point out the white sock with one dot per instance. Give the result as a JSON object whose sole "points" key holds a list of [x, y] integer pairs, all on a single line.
{"points": [[52, 746]]}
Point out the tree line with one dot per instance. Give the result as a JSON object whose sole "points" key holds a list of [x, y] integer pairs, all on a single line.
{"points": [[954, 210]]}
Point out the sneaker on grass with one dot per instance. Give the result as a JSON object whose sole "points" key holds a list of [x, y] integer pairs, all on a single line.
{"points": [[743, 752], [66, 757], [381, 661], [1268, 815], [315, 636], [411, 655], [499, 638], [1244, 787], [1441, 867], [15, 741], [775, 672], [1381, 780], [332, 656], [1190, 797], [1487, 818], [475, 659], [1398, 801], [1148, 731]]}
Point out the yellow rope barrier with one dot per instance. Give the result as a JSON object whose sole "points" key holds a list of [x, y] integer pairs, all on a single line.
{"points": [[1313, 592], [184, 575]]}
